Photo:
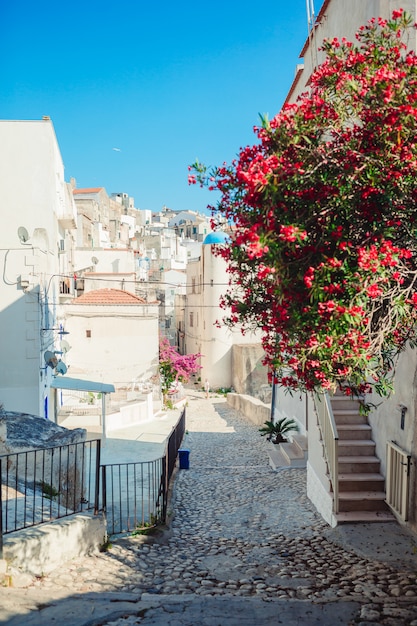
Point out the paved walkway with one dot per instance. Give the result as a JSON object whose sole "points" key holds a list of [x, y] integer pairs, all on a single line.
{"points": [[245, 547]]}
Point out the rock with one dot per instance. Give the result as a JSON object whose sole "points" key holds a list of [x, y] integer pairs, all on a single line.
{"points": [[370, 614]]}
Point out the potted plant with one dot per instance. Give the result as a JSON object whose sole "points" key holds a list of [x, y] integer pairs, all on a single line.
{"points": [[275, 431]]}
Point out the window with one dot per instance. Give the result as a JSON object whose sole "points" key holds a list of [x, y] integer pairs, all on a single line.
{"points": [[191, 319], [88, 334]]}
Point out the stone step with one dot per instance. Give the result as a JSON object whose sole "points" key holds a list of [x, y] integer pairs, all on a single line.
{"points": [[289, 454], [345, 416], [359, 464], [354, 431], [350, 517], [276, 459], [362, 501], [361, 482], [356, 447], [302, 442], [293, 453], [340, 401]]}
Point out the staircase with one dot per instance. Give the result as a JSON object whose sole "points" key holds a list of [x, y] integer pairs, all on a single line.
{"points": [[290, 454], [361, 485]]}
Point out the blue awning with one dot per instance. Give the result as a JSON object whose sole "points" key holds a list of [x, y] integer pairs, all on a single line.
{"points": [[63, 382]]}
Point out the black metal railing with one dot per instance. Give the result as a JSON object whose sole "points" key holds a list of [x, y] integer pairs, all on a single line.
{"points": [[135, 494], [174, 442], [130, 495], [43, 485]]}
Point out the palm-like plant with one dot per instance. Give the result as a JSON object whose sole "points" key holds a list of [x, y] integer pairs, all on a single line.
{"points": [[275, 431]]}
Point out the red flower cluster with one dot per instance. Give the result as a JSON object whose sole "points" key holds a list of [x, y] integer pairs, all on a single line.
{"points": [[323, 254]]}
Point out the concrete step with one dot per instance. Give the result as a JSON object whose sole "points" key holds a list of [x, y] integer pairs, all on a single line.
{"points": [[276, 459], [340, 401], [354, 431], [346, 416], [356, 447], [359, 464], [290, 454], [350, 517], [361, 482], [302, 442], [362, 501], [293, 453]]}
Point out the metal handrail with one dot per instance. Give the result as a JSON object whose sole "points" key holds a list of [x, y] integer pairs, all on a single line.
{"points": [[330, 438]]}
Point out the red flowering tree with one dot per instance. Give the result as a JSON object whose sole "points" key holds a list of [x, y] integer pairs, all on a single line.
{"points": [[175, 367], [323, 213]]}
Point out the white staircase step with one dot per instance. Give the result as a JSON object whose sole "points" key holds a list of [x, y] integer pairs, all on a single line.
{"points": [[349, 517], [361, 482], [362, 501], [350, 417], [341, 401], [354, 431], [276, 459], [294, 454], [302, 442], [358, 464], [356, 447]]}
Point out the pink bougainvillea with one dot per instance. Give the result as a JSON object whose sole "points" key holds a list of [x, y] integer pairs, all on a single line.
{"points": [[175, 367], [323, 218]]}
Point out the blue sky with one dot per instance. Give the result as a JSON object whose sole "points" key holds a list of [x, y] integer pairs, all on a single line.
{"points": [[164, 83]]}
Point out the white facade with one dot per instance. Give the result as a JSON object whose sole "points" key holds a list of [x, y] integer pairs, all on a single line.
{"points": [[207, 281], [37, 212], [113, 343], [335, 19]]}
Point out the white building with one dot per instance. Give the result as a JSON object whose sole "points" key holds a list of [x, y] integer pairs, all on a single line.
{"points": [[335, 19], [204, 333], [36, 238], [114, 337]]}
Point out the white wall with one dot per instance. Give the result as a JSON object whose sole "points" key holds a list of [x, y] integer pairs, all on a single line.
{"points": [[114, 260], [339, 22], [33, 195], [123, 346], [205, 336]]}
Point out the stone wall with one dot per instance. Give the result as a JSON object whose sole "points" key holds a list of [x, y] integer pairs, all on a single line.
{"points": [[249, 375], [42, 456], [41, 549], [257, 411]]}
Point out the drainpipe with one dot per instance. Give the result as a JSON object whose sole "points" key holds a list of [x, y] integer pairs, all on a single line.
{"points": [[273, 398]]}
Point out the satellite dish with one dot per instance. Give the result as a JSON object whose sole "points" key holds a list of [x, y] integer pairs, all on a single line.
{"points": [[23, 234], [94, 260], [65, 346], [61, 368], [50, 359]]}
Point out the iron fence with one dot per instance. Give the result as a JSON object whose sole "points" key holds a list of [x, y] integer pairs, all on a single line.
{"points": [[135, 494], [131, 495], [43, 485], [40, 486]]}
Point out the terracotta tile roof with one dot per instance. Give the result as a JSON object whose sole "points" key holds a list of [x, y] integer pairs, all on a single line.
{"points": [[109, 296], [88, 190]]}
